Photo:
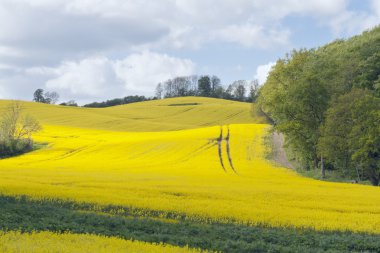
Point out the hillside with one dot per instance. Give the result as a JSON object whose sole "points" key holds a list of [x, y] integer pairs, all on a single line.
{"points": [[186, 187], [157, 115]]}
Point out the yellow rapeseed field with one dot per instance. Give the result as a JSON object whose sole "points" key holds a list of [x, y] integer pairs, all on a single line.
{"points": [[139, 163], [48, 242], [156, 115]]}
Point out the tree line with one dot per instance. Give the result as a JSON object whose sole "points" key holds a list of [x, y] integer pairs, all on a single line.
{"points": [[194, 85], [207, 86], [327, 103], [118, 101]]}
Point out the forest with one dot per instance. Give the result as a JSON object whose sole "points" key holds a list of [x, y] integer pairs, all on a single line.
{"points": [[326, 101]]}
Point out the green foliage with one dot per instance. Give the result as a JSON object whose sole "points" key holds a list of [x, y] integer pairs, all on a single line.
{"points": [[364, 137], [48, 98], [369, 77], [295, 99], [21, 213], [334, 144], [351, 135], [204, 86], [302, 90], [38, 96]]}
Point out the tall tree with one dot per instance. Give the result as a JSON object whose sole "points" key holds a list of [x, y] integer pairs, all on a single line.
{"points": [[51, 97], [334, 143], [239, 92], [204, 86], [296, 100], [215, 85], [169, 89], [159, 91], [254, 89], [38, 96], [365, 136]]}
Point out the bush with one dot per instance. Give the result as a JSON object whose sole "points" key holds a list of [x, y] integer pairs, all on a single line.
{"points": [[16, 131]]}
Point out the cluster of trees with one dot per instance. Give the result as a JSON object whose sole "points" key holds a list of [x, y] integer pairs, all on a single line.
{"points": [[16, 130], [207, 86], [50, 97], [69, 103], [326, 102], [118, 101]]}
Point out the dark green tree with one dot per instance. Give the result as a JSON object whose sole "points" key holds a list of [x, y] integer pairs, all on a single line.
{"points": [[334, 144], [369, 77], [38, 96], [351, 135], [365, 136], [204, 86]]}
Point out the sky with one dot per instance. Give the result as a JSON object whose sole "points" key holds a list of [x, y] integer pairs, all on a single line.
{"points": [[93, 50]]}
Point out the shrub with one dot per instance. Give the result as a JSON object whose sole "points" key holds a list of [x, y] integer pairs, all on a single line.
{"points": [[16, 131]]}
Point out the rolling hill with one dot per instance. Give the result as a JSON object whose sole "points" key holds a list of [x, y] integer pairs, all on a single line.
{"points": [[157, 115], [126, 164]]}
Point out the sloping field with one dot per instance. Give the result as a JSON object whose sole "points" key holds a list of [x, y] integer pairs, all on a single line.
{"points": [[181, 172], [158, 115], [125, 159]]}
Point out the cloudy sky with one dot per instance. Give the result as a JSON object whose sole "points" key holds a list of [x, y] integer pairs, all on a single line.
{"points": [[91, 50]]}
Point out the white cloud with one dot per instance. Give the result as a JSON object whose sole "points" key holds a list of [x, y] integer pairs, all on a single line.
{"points": [[351, 22], [254, 36], [49, 31], [92, 77], [63, 36], [55, 26], [101, 77], [262, 72], [143, 71]]}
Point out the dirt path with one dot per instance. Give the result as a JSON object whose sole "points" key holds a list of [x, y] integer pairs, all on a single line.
{"points": [[279, 152]]}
